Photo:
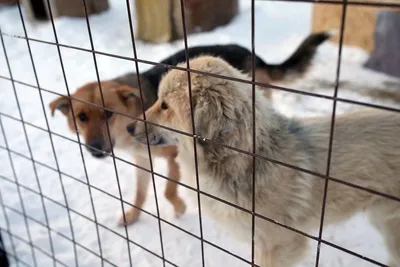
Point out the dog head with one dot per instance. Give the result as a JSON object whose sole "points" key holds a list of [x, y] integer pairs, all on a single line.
{"points": [[85, 108], [221, 108]]}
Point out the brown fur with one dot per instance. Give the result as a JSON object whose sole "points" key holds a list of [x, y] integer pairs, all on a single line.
{"points": [[365, 152], [123, 99]]}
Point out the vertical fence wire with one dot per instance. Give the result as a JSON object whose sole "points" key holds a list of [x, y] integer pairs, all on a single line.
{"points": [[332, 128], [30, 153], [193, 135], [19, 197], [51, 142], [108, 130], [7, 222], [187, 56], [76, 133], [2, 203], [253, 101], [145, 128]]}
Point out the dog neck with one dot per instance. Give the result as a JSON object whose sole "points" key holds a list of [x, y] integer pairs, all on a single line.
{"points": [[234, 168]]}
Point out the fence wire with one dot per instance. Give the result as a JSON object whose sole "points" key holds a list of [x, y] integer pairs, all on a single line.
{"points": [[14, 180]]}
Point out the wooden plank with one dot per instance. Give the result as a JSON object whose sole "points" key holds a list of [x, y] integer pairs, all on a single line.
{"points": [[359, 27], [153, 22]]}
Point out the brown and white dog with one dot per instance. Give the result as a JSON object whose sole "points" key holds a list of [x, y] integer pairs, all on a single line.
{"points": [[366, 152], [91, 124], [123, 96]]}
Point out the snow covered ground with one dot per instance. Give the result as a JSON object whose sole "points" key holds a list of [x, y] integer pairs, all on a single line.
{"points": [[280, 27]]}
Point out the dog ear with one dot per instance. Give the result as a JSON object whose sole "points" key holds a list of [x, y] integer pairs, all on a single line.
{"points": [[127, 93], [62, 103], [200, 122], [210, 121]]}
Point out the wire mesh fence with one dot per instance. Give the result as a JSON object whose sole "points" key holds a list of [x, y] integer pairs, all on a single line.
{"points": [[28, 239]]}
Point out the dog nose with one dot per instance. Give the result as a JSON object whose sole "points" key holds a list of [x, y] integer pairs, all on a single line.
{"points": [[97, 145], [131, 128]]}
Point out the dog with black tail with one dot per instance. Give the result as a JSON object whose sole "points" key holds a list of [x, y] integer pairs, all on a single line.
{"points": [[365, 152]]}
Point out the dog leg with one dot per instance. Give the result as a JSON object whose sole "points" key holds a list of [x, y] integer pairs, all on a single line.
{"points": [[386, 219], [171, 190], [284, 254], [142, 184], [392, 238]]}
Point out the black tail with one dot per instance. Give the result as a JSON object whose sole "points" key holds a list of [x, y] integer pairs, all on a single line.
{"points": [[299, 62]]}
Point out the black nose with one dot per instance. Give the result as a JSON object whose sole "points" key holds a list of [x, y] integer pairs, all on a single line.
{"points": [[131, 128], [96, 145], [95, 148]]}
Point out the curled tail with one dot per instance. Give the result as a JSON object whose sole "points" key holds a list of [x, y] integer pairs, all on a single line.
{"points": [[299, 62]]}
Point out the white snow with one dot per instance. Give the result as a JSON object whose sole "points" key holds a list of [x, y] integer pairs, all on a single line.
{"points": [[280, 27]]}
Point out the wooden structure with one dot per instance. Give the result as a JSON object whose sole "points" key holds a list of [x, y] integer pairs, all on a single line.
{"points": [[9, 2], [38, 9], [386, 54], [161, 20], [359, 26], [153, 20]]}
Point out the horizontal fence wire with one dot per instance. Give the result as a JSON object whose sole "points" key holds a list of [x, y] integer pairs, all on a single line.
{"points": [[107, 127], [395, 198], [311, 237], [171, 224], [71, 210], [203, 139], [30, 153], [145, 126], [107, 228], [27, 218], [196, 165], [50, 138], [270, 86], [74, 121], [8, 229]]}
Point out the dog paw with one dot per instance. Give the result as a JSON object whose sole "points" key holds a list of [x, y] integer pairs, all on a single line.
{"points": [[180, 209], [130, 217]]}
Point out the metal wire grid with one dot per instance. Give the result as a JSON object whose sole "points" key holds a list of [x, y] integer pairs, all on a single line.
{"points": [[12, 236]]}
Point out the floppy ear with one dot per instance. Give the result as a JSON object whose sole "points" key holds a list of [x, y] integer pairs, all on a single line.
{"points": [[210, 121], [62, 103], [127, 93]]}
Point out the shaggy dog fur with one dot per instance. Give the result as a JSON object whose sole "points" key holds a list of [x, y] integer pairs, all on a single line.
{"points": [[366, 152], [122, 95]]}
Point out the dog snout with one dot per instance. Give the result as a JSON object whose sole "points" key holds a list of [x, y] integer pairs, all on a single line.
{"points": [[131, 128], [96, 148], [96, 144]]}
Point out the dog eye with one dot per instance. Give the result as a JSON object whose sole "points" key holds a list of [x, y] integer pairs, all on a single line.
{"points": [[164, 105], [108, 114], [82, 117]]}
